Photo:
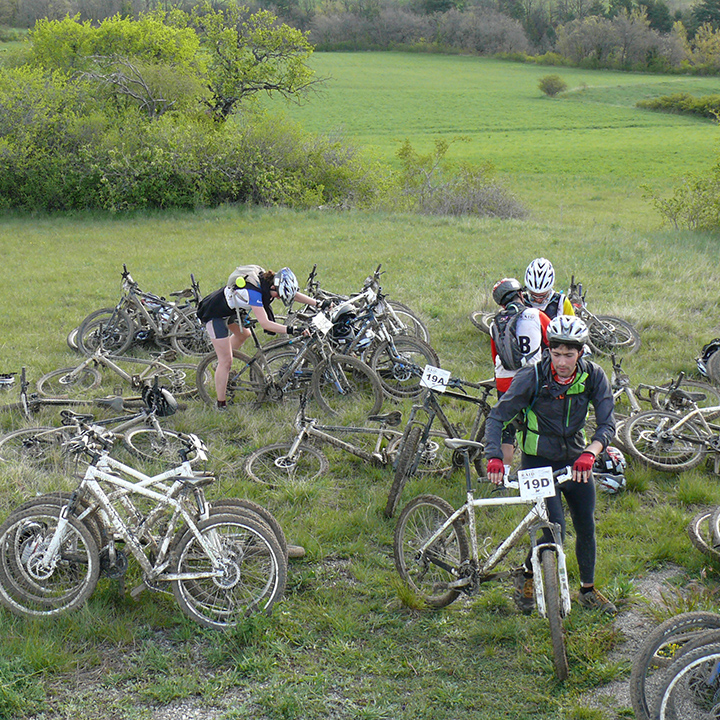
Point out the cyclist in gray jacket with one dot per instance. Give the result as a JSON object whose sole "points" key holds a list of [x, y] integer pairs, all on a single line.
{"points": [[550, 401]]}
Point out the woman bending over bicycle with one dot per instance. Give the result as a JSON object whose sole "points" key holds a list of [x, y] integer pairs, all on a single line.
{"points": [[249, 287], [551, 399]]}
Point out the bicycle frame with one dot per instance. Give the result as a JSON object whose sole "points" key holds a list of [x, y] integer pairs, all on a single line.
{"points": [[536, 519], [432, 407]]}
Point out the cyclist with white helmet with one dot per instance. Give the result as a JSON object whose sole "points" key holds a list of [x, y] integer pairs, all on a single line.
{"points": [[551, 400], [249, 287], [540, 290]]}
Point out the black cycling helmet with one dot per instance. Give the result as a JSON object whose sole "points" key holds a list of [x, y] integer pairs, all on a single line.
{"points": [[505, 290]]}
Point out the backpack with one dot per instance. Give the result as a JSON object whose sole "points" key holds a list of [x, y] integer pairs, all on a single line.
{"points": [[503, 334], [251, 273]]}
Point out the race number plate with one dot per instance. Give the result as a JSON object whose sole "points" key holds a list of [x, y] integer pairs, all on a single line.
{"points": [[435, 378], [322, 323], [536, 483]]}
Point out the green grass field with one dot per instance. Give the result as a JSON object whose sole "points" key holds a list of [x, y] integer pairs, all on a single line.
{"points": [[582, 156], [342, 644]]}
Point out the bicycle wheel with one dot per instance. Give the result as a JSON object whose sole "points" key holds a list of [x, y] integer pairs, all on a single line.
{"points": [[245, 382], [551, 591], [403, 469], [692, 686], [253, 571], [71, 339], [155, 444], [412, 322], [39, 448], [286, 378], [712, 367], [664, 400], [272, 465], [399, 364], [178, 378], [658, 651], [32, 585], [714, 529], [609, 335], [188, 335], [698, 531], [429, 572], [66, 383], [482, 319], [223, 505], [342, 384], [111, 327], [648, 437]]}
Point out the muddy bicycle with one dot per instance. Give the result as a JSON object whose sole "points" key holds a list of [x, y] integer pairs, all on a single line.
{"points": [[438, 555]]}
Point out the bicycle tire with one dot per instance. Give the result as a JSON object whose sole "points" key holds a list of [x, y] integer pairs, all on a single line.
{"points": [[611, 335], [657, 652], [189, 337], [279, 384], [26, 587], [118, 331], [691, 690], [71, 339], [403, 468], [551, 591], [400, 364], [702, 540], [270, 465], [179, 379], [245, 382], [712, 367], [714, 527], [239, 504], [482, 320], [661, 401], [65, 383], [40, 448], [342, 384], [417, 522], [254, 571], [411, 320], [646, 437], [149, 443]]}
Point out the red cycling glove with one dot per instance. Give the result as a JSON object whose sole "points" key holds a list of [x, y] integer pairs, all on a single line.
{"points": [[584, 463], [495, 465]]}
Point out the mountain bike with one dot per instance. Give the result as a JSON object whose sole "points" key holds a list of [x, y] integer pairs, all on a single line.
{"points": [[81, 379], [661, 648], [142, 317], [672, 443], [403, 319], [608, 334], [421, 448], [221, 562], [300, 461], [286, 368], [437, 554], [47, 448]]}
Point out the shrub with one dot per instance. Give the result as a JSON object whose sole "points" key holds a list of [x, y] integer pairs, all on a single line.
{"points": [[551, 85]]}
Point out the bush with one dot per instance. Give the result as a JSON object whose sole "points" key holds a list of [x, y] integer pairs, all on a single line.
{"points": [[685, 104], [551, 85]]}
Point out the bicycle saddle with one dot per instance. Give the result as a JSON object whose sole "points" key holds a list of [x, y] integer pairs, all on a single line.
{"points": [[392, 419], [460, 443]]}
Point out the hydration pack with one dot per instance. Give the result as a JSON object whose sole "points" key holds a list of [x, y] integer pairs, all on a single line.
{"points": [[503, 334], [250, 273]]}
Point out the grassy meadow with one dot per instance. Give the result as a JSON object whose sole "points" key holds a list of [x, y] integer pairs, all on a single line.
{"points": [[342, 644]]}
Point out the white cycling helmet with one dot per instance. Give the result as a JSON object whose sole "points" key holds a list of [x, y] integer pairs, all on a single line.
{"points": [[540, 276], [286, 285], [567, 329], [609, 470]]}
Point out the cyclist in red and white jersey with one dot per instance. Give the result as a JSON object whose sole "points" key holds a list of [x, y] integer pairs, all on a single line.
{"points": [[540, 292]]}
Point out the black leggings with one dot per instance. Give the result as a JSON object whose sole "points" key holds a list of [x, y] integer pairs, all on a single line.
{"points": [[580, 499]]}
